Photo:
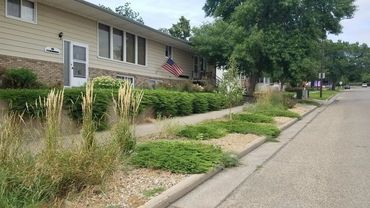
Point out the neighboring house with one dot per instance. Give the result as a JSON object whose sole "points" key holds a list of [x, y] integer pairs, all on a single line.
{"points": [[67, 42]]}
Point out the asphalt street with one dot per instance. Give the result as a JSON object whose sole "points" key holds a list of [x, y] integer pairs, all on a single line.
{"points": [[326, 165]]}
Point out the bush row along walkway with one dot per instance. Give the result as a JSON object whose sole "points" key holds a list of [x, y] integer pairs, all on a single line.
{"points": [[143, 130]]}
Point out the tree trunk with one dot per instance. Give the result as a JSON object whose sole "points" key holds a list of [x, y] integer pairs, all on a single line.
{"points": [[282, 86], [333, 85], [253, 81]]}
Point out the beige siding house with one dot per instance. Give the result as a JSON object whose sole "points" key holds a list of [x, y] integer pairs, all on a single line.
{"points": [[67, 42]]}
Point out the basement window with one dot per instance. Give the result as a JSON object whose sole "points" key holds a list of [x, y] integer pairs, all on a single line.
{"points": [[24, 10]]}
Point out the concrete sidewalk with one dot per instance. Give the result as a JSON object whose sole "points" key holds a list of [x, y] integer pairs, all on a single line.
{"points": [[214, 191], [143, 130]]}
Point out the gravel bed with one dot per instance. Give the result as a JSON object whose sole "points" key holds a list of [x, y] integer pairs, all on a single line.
{"points": [[301, 109], [280, 121], [127, 188], [233, 142], [132, 188]]}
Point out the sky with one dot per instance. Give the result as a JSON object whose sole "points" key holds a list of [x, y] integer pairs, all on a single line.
{"points": [[164, 13]]}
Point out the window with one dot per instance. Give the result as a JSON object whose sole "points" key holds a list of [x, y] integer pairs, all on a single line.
{"points": [[168, 52], [22, 9], [130, 48], [141, 56], [129, 79], [117, 44], [104, 41]]}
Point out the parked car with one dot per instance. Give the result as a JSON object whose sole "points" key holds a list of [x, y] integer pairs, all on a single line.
{"points": [[347, 87], [364, 84]]}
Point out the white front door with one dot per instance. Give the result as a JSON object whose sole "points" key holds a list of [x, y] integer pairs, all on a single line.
{"points": [[76, 70]]}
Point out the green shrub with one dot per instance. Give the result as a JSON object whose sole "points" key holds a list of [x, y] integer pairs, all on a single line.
{"points": [[288, 100], [254, 118], [200, 103], [215, 101], [202, 132], [184, 104], [73, 102], [274, 111], [177, 157], [24, 101], [107, 82], [19, 78], [164, 103], [242, 127]]}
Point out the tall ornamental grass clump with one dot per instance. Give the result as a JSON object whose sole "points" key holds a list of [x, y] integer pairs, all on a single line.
{"points": [[126, 107], [53, 111], [10, 137], [88, 126], [45, 179]]}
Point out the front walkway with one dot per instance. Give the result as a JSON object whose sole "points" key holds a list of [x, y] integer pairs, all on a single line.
{"points": [[143, 130]]}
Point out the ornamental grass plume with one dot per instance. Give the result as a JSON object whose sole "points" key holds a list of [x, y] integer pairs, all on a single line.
{"points": [[10, 137], [127, 107], [53, 105], [88, 126]]}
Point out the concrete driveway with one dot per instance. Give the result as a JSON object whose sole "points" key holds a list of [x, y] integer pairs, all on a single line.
{"points": [[326, 165]]}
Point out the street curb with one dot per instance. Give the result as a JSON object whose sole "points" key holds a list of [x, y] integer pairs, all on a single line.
{"points": [[181, 189]]}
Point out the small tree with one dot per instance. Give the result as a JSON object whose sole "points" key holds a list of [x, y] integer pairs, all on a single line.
{"points": [[231, 86], [181, 29]]}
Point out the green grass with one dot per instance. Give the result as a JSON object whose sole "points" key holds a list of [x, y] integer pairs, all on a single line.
{"points": [[309, 102], [254, 118], [178, 157], [203, 131], [219, 129], [241, 127], [274, 111], [326, 94], [153, 192]]}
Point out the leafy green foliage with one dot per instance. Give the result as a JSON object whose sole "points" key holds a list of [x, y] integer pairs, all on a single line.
{"points": [[218, 129], [230, 86], [326, 94], [19, 78], [254, 118], [200, 104], [242, 127], [283, 43], [126, 11], [165, 103], [185, 104], [181, 29], [274, 112], [177, 157], [107, 82], [203, 131], [309, 102]]}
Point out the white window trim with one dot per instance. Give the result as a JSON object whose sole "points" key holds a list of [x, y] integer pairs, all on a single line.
{"points": [[123, 77], [124, 44], [20, 18], [171, 55]]}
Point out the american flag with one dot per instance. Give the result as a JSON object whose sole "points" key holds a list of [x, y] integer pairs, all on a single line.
{"points": [[173, 68]]}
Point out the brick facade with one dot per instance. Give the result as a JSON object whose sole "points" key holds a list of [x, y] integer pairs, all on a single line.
{"points": [[50, 73]]}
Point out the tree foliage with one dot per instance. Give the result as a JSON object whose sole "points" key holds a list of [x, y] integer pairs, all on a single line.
{"points": [[277, 37], [181, 29], [346, 61], [125, 10]]}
